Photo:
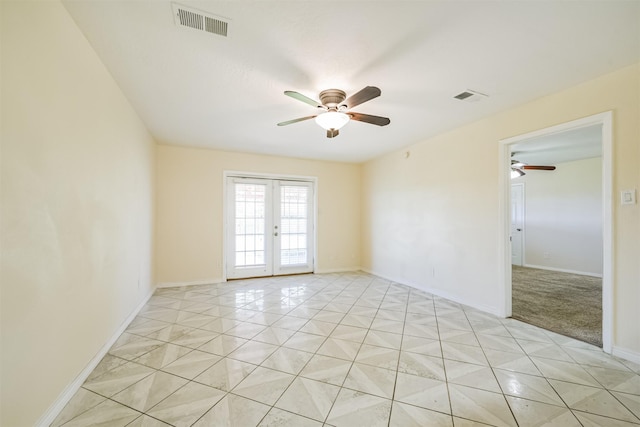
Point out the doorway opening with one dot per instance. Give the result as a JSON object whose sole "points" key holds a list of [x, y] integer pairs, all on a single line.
{"points": [[269, 226], [572, 265]]}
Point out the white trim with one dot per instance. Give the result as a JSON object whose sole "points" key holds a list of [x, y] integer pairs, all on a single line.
{"points": [[607, 231], [191, 283], [439, 293], [563, 270], [338, 270], [606, 120], [504, 231], [58, 405], [625, 353], [315, 224], [596, 119], [223, 206], [275, 176]]}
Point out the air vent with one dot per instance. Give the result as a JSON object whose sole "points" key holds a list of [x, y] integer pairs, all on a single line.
{"points": [[187, 17], [470, 96]]}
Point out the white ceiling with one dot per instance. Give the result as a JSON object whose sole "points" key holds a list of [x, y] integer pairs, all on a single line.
{"points": [[567, 146], [198, 89]]}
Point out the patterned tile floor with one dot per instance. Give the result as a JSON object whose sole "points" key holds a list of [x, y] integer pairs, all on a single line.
{"points": [[345, 350]]}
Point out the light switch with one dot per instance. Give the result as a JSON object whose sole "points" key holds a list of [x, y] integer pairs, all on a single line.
{"points": [[628, 197]]}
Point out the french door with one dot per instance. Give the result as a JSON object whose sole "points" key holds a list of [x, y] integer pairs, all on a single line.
{"points": [[269, 227]]}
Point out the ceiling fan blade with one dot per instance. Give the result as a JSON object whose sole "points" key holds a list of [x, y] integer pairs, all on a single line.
{"points": [[364, 95], [539, 168], [289, 122], [374, 120], [301, 97], [332, 133]]}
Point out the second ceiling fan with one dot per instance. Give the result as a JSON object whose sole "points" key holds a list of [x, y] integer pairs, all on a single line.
{"points": [[518, 168], [335, 106]]}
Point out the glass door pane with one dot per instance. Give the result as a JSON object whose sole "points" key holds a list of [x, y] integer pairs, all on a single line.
{"points": [[294, 245], [248, 242], [250, 219], [293, 224]]}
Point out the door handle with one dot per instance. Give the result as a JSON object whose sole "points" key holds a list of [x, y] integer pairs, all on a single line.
{"points": [[518, 229]]}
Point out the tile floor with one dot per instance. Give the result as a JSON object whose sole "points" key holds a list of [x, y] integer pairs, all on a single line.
{"points": [[345, 350]]}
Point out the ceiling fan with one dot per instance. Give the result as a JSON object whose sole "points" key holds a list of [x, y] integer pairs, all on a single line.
{"points": [[518, 168], [334, 109]]}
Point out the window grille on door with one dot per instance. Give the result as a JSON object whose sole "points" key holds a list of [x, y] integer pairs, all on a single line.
{"points": [[250, 227], [294, 208]]}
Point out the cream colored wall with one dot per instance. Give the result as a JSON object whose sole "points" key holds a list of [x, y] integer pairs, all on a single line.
{"points": [[77, 197], [563, 217], [431, 220], [189, 210]]}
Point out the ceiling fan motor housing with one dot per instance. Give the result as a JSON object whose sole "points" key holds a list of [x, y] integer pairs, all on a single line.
{"points": [[332, 98]]}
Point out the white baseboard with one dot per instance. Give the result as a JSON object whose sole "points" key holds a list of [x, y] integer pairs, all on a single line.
{"points": [[192, 283], [221, 280], [336, 270], [626, 354], [563, 270], [58, 405], [440, 293]]}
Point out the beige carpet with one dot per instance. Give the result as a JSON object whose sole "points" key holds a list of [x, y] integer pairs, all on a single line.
{"points": [[569, 304]]}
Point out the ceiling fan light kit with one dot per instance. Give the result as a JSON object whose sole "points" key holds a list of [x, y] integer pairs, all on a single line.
{"points": [[335, 105], [516, 173], [332, 120]]}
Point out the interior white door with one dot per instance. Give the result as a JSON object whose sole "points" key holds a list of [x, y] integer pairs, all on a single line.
{"points": [[269, 227], [517, 223]]}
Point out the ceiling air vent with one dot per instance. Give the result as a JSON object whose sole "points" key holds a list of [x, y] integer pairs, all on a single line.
{"points": [[187, 17], [470, 96]]}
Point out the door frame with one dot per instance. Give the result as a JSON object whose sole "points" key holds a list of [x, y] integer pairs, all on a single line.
{"points": [[606, 120], [524, 213], [258, 175]]}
